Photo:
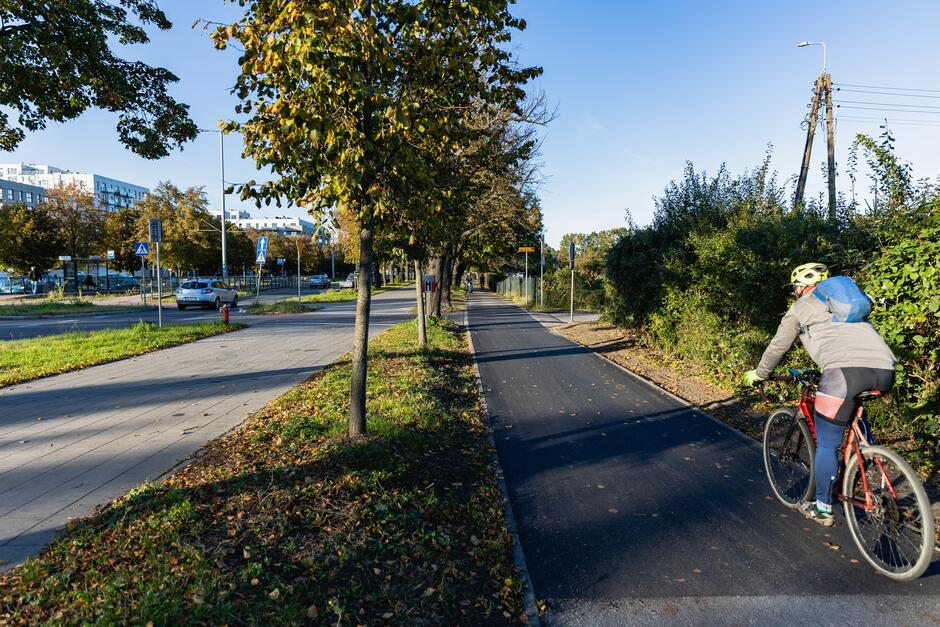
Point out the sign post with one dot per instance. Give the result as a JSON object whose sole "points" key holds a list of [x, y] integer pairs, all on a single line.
{"points": [[527, 250], [542, 270], [156, 236], [297, 240], [261, 253], [142, 249], [571, 267]]}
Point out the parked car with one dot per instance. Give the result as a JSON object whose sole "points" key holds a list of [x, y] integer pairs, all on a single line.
{"points": [[319, 281], [205, 293], [349, 282]]}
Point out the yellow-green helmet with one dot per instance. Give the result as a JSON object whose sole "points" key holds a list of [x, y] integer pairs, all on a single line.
{"points": [[809, 274]]}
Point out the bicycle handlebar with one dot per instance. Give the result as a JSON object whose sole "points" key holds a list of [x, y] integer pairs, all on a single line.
{"points": [[793, 374]]}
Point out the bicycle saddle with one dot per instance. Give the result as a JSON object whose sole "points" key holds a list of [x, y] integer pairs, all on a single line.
{"points": [[868, 395]]}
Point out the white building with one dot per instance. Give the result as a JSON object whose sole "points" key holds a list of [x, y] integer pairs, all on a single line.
{"points": [[280, 225], [13, 192], [110, 194]]}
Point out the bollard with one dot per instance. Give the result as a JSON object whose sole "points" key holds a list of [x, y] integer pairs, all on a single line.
{"points": [[224, 309]]}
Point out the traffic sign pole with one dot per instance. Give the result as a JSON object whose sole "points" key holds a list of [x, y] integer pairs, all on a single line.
{"points": [[261, 252], [159, 290], [542, 272], [527, 278]]}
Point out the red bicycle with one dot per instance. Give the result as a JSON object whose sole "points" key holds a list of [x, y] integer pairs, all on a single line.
{"points": [[886, 506]]}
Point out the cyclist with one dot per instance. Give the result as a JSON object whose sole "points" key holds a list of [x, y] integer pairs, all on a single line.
{"points": [[853, 358]]}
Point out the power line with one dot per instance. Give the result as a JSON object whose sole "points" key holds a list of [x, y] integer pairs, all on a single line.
{"points": [[890, 104], [889, 121], [840, 106], [887, 93], [932, 91]]}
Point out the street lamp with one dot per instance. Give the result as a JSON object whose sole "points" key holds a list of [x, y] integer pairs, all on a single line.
{"points": [[224, 216], [804, 44]]}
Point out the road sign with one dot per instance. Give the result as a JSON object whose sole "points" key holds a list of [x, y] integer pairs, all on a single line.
{"points": [[110, 254], [261, 252], [65, 258], [571, 255], [156, 230], [141, 249], [280, 261], [527, 249]]}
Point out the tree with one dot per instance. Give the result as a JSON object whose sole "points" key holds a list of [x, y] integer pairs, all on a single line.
{"points": [[119, 234], [77, 219], [192, 239], [57, 62], [28, 237], [338, 94]]}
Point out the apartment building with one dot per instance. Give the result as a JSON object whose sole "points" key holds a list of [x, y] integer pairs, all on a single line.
{"points": [[280, 225], [14, 192], [110, 194]]}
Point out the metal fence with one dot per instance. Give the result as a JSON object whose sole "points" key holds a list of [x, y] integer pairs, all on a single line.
{"points": [[584, 299]]}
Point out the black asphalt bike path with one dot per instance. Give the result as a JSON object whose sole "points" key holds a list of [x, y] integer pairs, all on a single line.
{"points": [[620, 491]]}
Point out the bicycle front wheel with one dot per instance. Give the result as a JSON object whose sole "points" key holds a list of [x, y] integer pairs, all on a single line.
{"points": [[789, 452], [895, 530]]}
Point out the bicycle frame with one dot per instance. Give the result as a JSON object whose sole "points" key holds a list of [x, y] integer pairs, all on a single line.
{"points": [[853, 444]]}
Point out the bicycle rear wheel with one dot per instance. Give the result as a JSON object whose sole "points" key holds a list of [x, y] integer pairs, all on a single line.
{"points": [[789, 452], [896, 535]]}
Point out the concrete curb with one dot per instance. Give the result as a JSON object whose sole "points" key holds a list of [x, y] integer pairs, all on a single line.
{"points": [[528, 592], [86, 314]]}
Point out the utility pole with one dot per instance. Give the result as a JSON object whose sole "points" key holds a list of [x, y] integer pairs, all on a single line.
{"points": [[222, 167], [823, 90], [830, 145], [808, 149]]}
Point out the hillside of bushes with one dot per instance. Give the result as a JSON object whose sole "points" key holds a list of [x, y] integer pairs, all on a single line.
{"points": [[705, 280]]}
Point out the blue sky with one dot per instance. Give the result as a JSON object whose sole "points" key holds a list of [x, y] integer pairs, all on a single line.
{"points": [[640, 87]]}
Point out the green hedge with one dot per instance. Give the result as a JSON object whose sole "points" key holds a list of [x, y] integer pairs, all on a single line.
{"points": [[705, 281]]}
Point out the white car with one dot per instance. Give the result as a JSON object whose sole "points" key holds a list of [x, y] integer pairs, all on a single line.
{"points": [[205, 293]]}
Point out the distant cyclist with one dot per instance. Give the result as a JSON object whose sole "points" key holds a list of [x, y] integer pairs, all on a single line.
{"points": [[469, 281], [832, 324]]}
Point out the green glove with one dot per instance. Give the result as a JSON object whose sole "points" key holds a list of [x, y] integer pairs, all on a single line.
{"points": [[750, 377]]}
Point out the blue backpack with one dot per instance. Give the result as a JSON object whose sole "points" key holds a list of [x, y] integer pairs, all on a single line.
{"points": [[844, 299]]}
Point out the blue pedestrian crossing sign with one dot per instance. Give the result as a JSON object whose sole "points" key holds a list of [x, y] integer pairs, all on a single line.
{"points": [[261, 251], [141, 249]]}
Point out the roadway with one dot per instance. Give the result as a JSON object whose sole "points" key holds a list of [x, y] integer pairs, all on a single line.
{"points": [[633, 508], [36, 327], [71, 442]]}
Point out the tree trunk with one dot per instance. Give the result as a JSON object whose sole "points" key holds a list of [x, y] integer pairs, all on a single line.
{"points": [[422, 321], [447, 277], [360, 353], [436, 270]]}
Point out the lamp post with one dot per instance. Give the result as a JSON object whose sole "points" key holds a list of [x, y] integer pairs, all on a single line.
{"points": [[222, 194], [804, 44]]}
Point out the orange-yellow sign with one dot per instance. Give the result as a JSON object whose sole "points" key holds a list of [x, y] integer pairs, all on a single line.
{"points": [[526, 249]]}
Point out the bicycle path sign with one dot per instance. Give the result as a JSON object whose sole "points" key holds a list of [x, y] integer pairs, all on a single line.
{"points": [[261, 252], [141, 249]]}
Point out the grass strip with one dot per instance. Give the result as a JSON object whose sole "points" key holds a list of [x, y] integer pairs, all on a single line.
{"points": [[24, 360], [59, 307], [290, 306], [338, 296], [287, 521]]}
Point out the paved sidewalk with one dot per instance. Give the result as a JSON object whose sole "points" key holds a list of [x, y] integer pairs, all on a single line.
{"points": [[634, 508], [71, 442]]}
